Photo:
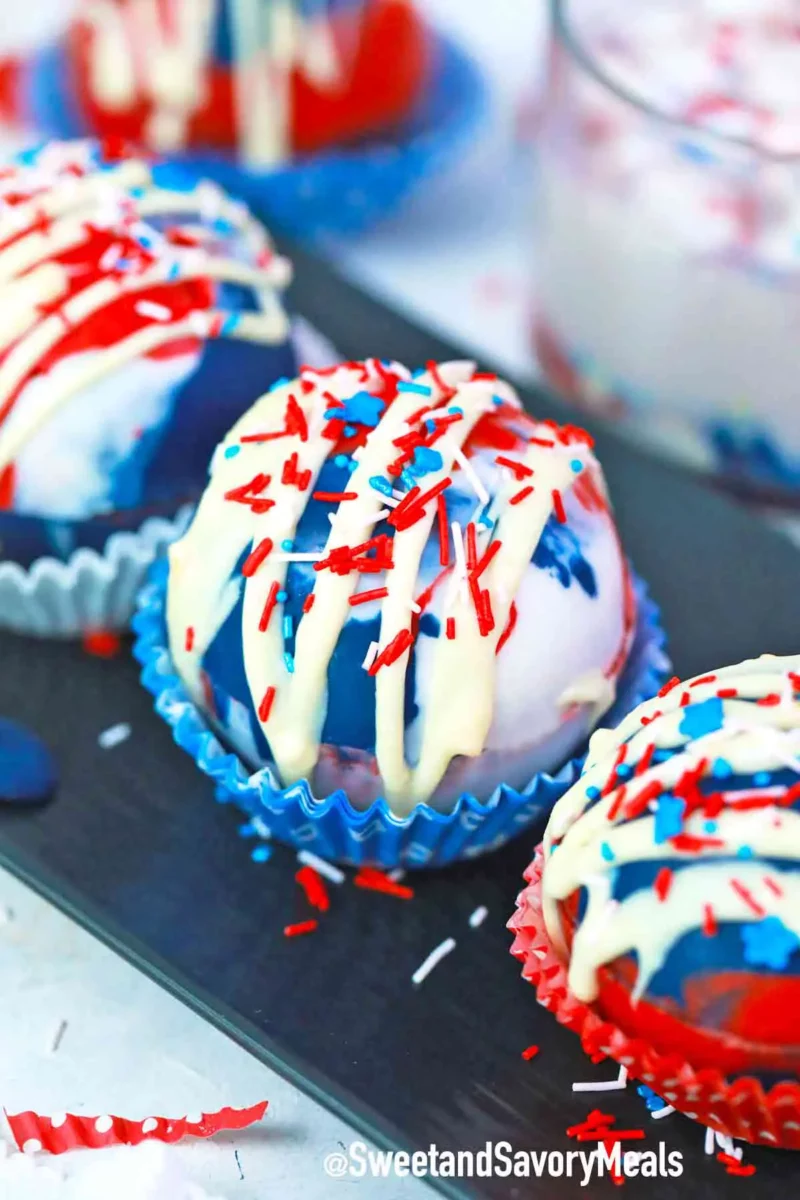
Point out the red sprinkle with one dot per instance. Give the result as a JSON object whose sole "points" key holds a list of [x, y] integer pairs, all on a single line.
{"points": [[727, 693], [521, 471], [748, 898], [487, 557], [703, 679], [639, 803], [265, 707], [519, 496], [450, 628], [733, 1166], [295, 417], [189, 643], [390, 654], [558, 505], [668, 686], [530, 1053], [412, 507], [646, 759], [313, 885], [709, 921], [293, 475], [773, 886], [662, 883], [693, 845], [377, 881], [444, 533], [308, 603], [263, 437], [250, 494], [617, 803], [101, 644], [471, 547], [272, 600], [769, 701], [365, 597], [595, 1121], [334, 497], [509, 629], [300, 928], [256, 557], [534, 441]]}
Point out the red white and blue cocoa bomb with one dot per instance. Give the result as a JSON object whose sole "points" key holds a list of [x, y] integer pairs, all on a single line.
{"points": [[140, 317], [401, 586], [670, 893], [265, 79]]}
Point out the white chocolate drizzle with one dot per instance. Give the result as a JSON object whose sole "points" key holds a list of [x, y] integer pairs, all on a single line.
{"points": [[607, 821], [136, 52], [72, 196]]}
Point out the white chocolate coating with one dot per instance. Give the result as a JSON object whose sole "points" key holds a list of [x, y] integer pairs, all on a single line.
{"points": [[473, 696]]}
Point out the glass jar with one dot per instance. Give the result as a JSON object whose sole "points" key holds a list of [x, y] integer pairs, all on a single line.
{"points": [[669, 241]]}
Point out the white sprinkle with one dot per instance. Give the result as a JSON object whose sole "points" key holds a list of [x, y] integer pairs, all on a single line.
{"points": [[434, 958], [607, 1085], [194, 1118], [149, 1125], [313, 556], [396, 875], [110, 256], [415, 608], [478, 917], [321, 866], [55, 1041], [709, 1142], [199, 323], [261, 828], [372, 654], [726, 1145], [149, 308], [115, 735], [662, 1112], [396, 495], [468, 469], [103, 1124], [32, 1146], [458, 539], [58, 1119]]}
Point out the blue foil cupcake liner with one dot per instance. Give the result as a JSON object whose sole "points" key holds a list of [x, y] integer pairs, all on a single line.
{"points": [[331, 827], [335, 191]]}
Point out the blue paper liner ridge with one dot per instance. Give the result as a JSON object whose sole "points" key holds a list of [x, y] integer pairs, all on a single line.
{"points": [[330, 826]]}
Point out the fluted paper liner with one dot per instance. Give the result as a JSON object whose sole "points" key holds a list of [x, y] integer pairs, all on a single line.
{"points": [[740, 1108], [330, 826]]}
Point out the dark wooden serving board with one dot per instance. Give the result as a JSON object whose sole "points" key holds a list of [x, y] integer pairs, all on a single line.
{"points": [[136, 849]]}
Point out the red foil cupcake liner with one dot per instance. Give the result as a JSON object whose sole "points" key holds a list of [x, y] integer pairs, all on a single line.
{"points": [[740, 1108]]}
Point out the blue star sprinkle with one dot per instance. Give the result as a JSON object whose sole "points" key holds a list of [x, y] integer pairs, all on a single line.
{"points": [[669, 817], [769, 943], [703, 718]]}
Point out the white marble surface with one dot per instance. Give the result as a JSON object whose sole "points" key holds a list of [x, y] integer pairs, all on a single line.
{"points": [[460, 256]]}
